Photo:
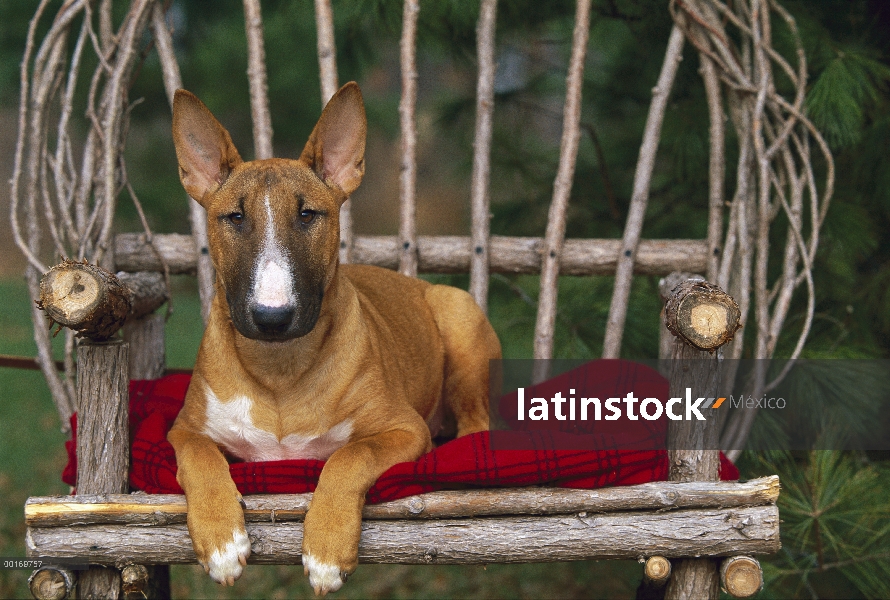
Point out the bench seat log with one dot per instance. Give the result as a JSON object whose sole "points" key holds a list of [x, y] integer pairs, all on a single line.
{"points": [[170, 509], [448, 254], [621, 535]]}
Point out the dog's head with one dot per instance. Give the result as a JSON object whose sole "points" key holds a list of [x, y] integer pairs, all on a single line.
{"points": [[273, 225]]}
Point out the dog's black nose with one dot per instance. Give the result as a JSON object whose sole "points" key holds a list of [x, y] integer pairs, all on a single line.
{"points": [[272, 320]]}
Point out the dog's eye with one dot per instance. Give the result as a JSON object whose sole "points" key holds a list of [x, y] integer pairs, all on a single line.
{"points": [[307, 216], [236, 218]]}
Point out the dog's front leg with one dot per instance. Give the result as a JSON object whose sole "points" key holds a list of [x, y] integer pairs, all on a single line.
{"points": [[333, 523], [215, 516]]}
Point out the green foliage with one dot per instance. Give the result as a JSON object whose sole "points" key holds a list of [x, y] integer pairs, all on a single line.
{"points": [[842, 95], [835, 525]]}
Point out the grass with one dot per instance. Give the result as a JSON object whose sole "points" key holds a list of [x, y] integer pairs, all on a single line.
{"points": [[32, 456]]}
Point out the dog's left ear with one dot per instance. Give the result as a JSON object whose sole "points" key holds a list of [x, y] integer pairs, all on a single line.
{"points": [[336, 148]]}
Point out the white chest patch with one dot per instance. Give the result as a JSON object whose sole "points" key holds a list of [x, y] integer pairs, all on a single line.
{"points": [[230, 425]]}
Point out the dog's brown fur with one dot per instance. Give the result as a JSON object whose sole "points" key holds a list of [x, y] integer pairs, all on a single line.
{"points": [[366, 346]]}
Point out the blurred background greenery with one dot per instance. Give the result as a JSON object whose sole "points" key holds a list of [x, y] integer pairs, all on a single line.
{"points": [[829, 500]]}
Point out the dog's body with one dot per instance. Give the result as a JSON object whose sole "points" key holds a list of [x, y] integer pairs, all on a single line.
{"points": [[303, 357]]}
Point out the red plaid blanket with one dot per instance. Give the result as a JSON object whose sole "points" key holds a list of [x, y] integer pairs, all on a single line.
{"points": [[462, 463]]}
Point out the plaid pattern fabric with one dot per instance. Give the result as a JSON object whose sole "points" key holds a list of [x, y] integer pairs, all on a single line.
{"points": [[466, 462]]}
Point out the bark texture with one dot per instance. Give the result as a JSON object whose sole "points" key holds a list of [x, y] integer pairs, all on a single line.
{"points": [[85, 298], [702, 315], [622, 535], [103, 441], [450, 254], [742, 576], [169, 509]]}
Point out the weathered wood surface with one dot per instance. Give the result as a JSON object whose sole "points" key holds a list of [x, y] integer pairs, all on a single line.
{"points": [[449, 254], [169, 509], [701, 314], [84, 297], [103, 440], [148, 292], [742, 576], [624, 535], [147, 351], [51, 583]]}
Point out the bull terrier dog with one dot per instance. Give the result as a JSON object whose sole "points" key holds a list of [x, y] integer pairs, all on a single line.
{"points": [[305, 358]]}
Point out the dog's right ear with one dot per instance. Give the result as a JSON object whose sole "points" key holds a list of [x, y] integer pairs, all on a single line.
{"points": [[204, 148]]}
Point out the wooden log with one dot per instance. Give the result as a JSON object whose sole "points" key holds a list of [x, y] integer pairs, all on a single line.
{"points": [[51, 583], [657, 569], [103, 441], [702, 315], [95, 302], [148, 292], [623, 535], [148, 361], [741, 576], [656, 573], [85, 298], [146, 339], [169, 509], [134, 582], [450, 254]]}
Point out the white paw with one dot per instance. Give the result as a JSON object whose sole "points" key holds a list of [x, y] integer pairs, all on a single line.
{"points": [[226, 565], [323, 577]]}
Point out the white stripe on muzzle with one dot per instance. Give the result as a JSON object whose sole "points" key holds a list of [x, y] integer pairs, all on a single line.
{"points": [[273, 284]]}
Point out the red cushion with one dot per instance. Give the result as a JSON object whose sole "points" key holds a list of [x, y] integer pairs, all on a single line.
{"points": [[465, 462]]}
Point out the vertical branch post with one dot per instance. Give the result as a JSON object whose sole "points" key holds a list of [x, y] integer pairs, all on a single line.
{"points": [[327, 72], [408, 174], [703, 318], [197, 215], [562, 188], [640, 198], [479, 199], [256, 75], [103, 440]]}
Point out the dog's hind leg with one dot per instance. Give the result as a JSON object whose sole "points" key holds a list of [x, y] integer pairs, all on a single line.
{"points": [[470, 343]]}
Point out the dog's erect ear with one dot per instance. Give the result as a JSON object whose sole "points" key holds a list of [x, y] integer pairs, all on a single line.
{"points": [[336, 148], [204, 148]]}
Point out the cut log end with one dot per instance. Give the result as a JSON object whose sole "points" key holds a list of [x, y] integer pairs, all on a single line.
{"points": [[702, 315], [741, 576], [657, 569], [50, 583], [85, 298], [134, 581]]}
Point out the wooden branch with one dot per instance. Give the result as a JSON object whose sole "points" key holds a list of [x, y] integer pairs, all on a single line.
{"points": [[147, 350], [545, 321], [86, 298], [170, 509], [640, 197], [449, 254], [134, 581], [479, 198], [327, 50], [51, 583], [197, 215], [96, 303], [103, 440], [256, 75], [702, 315], [657, 570], [716, 164], [327, 72], [692, 454], [716, 532], [741, 576], [408, 175]]}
